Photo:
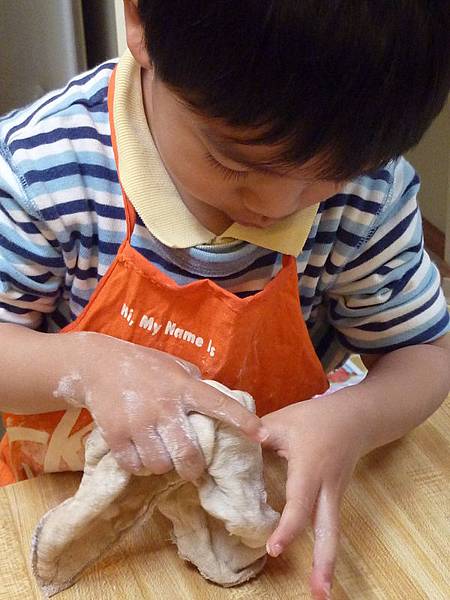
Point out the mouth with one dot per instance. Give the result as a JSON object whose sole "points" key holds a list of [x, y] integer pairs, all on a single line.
{"points": [[245, 223], [261, 225]]}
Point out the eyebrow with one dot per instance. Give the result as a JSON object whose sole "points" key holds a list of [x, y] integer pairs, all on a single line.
{"points": [[224, 147]]}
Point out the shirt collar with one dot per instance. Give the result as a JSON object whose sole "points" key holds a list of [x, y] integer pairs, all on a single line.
{"points": [[153, 194]]}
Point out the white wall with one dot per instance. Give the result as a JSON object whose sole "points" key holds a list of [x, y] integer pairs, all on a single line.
{"points": [[41, 47], [120, 26]]}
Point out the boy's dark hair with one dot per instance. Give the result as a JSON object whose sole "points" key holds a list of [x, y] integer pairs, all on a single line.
{"points": [[356, 82]]}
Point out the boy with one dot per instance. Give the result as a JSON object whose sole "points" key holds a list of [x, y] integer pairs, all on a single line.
{"points": [[243, 134]]}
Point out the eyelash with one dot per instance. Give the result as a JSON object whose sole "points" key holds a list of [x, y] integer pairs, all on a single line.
{"points": [[227, 174]]}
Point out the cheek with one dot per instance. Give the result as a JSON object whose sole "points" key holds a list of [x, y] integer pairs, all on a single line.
{"points": [[187, 167], [195, 178], [319, 193]]}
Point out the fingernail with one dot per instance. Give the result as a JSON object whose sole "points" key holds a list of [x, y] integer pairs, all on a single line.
{"points": [[274, 550], [263, 434]]}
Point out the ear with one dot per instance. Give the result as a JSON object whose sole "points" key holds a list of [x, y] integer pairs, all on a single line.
{"points": [[135, 34]]}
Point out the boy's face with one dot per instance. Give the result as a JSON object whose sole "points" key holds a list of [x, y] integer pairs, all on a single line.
{"points": [[221, 181]]}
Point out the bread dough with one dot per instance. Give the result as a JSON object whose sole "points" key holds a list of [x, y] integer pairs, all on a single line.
{"points": [[220, 524]]}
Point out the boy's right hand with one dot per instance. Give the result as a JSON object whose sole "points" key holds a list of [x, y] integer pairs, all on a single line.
{"points": [[140, 398]]}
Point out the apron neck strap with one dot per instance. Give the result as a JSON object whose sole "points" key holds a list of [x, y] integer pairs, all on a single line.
{"points": [[130, 215], [287, 260]]}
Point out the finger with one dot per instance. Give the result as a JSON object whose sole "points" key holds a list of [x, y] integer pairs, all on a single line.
{"points": [[126, 456], [152, 452], [275, 439], [170, 359], [211, 402], [181, 444], [187, 366], [326, 533], [301, 493]]}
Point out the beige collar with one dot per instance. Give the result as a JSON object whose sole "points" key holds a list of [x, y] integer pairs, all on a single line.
{"points": [[153, 194]]}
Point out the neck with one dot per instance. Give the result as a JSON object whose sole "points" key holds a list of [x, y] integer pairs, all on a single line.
{"points": [[213, 219]]}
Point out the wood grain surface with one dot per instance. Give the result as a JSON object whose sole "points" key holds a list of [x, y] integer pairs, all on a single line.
{"points": [[395, 540]]}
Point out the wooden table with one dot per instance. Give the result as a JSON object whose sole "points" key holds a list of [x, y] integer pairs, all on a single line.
{"points": [[395, 536]]}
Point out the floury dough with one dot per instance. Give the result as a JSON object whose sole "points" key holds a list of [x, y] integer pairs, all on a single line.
{"points": [[220, 524]]}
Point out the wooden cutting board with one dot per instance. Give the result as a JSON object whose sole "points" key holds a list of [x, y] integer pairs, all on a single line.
{"points": [[395, 536]]}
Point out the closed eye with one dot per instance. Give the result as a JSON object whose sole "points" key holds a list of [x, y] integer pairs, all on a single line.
{"points": [[227, 174]]}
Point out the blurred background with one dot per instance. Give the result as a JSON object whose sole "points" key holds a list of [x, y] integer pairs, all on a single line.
{"points": [[43, 43]]}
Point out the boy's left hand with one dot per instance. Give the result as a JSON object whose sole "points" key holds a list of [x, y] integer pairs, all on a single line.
{"points": [[322, 440]]}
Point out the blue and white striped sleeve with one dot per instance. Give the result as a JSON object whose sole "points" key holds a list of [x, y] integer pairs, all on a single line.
{"points": [[389, 295], [31, 264]]}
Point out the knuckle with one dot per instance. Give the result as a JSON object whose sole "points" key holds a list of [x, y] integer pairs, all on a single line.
{"points": [[189, 463], [115, 432], [323, 533], [115, 441], [301, 504], [222, 401], [153, 455], [190, 472], [231, 410], [206, 396], [189, 454], [126, 460], [250, 421]]}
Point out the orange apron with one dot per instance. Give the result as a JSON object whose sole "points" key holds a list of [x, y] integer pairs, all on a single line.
{"points": [[259, 344]]}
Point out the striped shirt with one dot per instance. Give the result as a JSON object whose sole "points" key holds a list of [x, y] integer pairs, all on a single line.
{"points": [[365, 282]]}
